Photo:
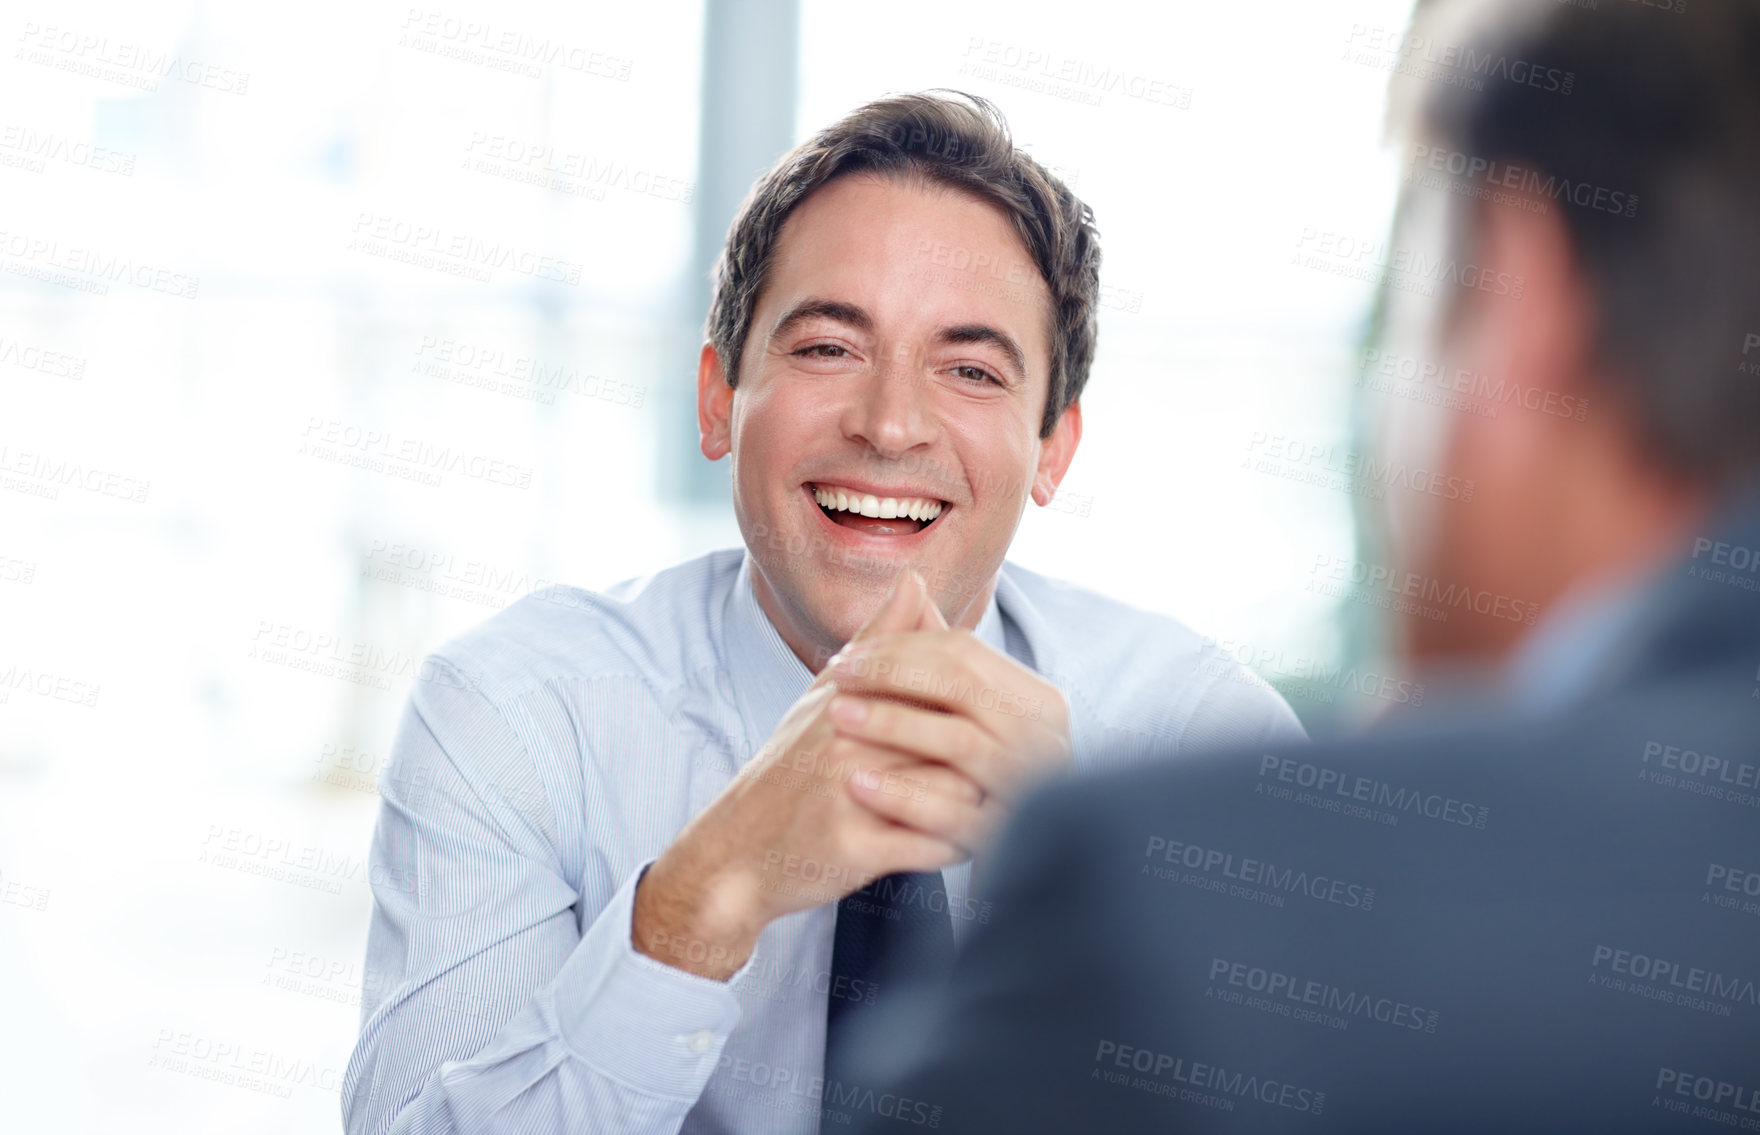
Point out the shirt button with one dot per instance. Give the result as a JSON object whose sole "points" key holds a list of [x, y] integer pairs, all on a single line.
{"points": [[699, 1041]]}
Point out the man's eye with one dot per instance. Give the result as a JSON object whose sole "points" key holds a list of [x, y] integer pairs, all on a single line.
{"points": [[976, 374], [822, 351]]}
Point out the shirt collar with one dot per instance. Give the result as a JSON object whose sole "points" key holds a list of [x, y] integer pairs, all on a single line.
{"points": [[1570, 653], [989, 629], [767, 677]]}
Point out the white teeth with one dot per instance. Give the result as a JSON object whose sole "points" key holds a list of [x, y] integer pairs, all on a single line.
{"points": [[880, 508]]}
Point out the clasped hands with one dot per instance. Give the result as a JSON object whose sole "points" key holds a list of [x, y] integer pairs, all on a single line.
{"points": [[945, 731], [906, 753]]}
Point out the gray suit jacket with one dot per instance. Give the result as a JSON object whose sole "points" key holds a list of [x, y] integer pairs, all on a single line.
{"points": [[1491, 925]]}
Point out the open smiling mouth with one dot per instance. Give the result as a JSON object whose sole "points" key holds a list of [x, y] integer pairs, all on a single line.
{"points": [[876, 515]]}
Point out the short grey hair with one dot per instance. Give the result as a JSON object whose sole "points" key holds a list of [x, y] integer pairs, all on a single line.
{"points": [[1659, 104]]}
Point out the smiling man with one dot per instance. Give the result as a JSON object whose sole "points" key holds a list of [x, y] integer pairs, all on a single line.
{"points": [[667, 842]]}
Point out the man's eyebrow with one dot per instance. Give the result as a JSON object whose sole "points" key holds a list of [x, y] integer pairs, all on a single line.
{"points": [[835, 310], [983, 333]]}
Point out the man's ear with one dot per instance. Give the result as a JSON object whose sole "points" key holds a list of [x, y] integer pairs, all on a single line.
{"points": [[1056, 452], [714, 405], [1536, 337]]}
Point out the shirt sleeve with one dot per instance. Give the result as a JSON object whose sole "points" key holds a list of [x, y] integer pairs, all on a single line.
{"points": [[1240, 709], [496, 997]]}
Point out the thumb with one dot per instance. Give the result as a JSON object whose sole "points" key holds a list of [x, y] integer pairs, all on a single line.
{"points": [[899, 611]]}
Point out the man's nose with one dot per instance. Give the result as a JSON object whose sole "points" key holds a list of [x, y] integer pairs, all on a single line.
{"points": [[891, 409]]}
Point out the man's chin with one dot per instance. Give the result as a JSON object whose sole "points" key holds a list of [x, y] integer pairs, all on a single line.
{"points": [[843, 600], [824, 603], [834, 595], [842, 605]]}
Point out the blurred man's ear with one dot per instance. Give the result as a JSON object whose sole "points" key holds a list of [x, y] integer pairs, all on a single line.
{"points": [[1056, 452], [714, 405], [1527, 322]]}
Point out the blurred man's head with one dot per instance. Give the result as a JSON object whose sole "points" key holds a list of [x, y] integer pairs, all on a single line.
{"points": [[1585, 181], [902, 324]]}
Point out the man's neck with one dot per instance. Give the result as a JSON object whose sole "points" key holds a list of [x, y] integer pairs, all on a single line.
{"points": [[1623, 535], [814, 646]]}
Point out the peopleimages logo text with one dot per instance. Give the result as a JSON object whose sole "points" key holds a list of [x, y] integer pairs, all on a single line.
{"points": [[1368, 790], [1260, 873]]}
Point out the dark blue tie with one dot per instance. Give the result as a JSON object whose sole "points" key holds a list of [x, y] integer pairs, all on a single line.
{"points": [[896, 928]]}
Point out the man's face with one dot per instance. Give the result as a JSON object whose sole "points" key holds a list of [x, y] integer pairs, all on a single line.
{"points": [[1493, 418], [897, 363]]}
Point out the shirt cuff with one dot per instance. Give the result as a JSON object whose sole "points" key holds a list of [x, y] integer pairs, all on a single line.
{"points": [[654, 1028]]}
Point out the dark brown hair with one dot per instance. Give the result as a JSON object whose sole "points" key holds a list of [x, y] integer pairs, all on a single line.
{"points": [[947, 138]]}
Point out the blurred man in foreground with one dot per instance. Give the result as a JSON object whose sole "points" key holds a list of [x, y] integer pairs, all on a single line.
{"points": [[1537, 913]]}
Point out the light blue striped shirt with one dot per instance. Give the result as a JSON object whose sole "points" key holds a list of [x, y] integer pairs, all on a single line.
{"points": [[549, 755]]}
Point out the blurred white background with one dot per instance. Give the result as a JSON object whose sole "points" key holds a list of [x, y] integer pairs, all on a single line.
{"points": [[328, 330]]}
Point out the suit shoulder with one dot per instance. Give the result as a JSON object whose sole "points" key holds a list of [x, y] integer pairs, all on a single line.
{"points": [[657, 628]]}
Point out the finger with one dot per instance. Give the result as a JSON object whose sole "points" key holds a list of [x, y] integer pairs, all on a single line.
{"points": [[925, 776], [929, 735], [925, 789], [907, 849], [959, 822], [841, 760], [899, 611], [951, 671]]}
